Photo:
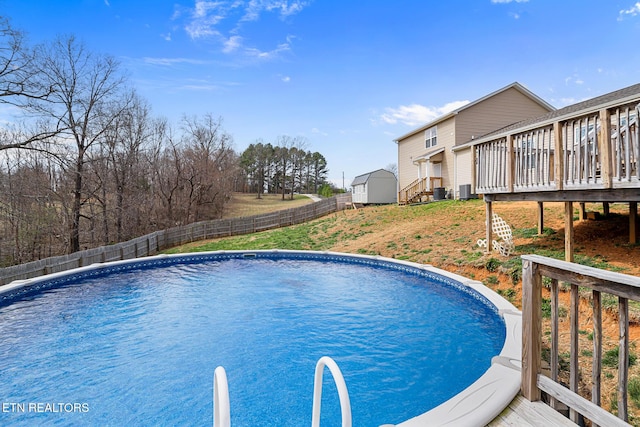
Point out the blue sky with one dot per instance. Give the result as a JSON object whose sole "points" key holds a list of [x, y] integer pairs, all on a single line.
{"points": [[350, 76]]}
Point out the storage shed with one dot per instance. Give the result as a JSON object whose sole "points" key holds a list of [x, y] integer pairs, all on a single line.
{"points": [[379, 186]]}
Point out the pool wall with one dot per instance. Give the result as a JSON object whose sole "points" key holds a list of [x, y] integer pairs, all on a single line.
{"points": [[477, 405]]}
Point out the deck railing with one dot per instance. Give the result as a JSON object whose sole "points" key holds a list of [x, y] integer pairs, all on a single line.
{"points": [[575, 152], [580, 279], [418, 188]]}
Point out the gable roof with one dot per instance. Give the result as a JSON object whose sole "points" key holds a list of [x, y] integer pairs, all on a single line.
{"points": [[515, 85], [630, 93]]}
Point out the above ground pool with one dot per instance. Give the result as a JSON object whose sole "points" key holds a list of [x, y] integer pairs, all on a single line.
{"points": [[137, 342]]}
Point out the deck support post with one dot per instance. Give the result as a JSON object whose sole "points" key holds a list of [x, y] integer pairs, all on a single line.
{"points": [[488, 208], [605, 209], [531, 329], [568, 231], [633, 222], [540, 218], [583, 211]]}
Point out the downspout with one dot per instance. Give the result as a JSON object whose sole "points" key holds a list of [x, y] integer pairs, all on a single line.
{"points": [[455, 173]]}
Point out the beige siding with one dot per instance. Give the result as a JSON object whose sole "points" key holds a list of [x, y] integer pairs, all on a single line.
{"points": [[414, 146], [463, 169], [448, 131], [494, 113], [408, 149]]}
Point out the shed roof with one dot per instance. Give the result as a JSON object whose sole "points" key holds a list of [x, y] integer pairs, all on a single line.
{"points": [[515, 85], [362, 179]]}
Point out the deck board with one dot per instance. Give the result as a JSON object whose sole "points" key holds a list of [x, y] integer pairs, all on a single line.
{"points": [[522, 413]]}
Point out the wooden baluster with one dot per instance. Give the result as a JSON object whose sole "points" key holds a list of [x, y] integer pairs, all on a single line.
{"points": [[596, 367], [627, 147], [623, 357], [574, 373], [553, 359]]}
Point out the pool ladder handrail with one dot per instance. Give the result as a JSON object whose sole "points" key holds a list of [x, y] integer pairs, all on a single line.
{"points": [[343, 393], [221, 407]]}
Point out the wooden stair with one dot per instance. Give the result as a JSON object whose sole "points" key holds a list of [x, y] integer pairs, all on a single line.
{"points": [[421, 187]]}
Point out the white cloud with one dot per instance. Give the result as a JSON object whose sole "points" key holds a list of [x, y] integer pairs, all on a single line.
{"points": [[317, 131], [286, 79], [200, 87], [508, 1], [223, 21], [254, 8], [257, 53], [575, 79], [204, 18], [198, 30], [232, 44], [568, 101], [202, 8], [631, 12], [416, 114], [172, 61]]}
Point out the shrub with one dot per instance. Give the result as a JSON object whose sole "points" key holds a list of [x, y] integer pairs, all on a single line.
{"points": [[610, 358], [633, 388], [492, 265]]}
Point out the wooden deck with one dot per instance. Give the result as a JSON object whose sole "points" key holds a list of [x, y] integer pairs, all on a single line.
{"points": [[586, 152], [522, 413]]}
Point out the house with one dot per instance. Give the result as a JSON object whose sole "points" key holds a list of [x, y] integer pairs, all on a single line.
{"points": [[583, 153], [380, 186], [425, 157]]}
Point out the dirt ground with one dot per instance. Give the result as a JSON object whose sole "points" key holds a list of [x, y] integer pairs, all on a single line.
{"points": [[452, 234]]}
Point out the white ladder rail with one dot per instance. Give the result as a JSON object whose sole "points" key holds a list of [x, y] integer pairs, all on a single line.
{"points": [[221, 409], [343, 393]]}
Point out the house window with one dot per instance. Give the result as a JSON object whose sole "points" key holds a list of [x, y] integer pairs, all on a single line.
{"points": [[431, 137]]}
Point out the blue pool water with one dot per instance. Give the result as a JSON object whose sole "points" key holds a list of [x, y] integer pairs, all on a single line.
{"points": [[138, 345]]}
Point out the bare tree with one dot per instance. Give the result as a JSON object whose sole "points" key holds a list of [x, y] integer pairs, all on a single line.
{"points": [[126, 140], [207, 149], [19, 80], [393, 168], [28, 212], [167, 165], [85, 87]]}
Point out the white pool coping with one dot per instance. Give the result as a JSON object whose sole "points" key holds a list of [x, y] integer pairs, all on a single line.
{"points": [[477, 405]]}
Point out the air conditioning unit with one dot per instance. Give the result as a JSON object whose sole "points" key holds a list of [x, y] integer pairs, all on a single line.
{"points": [[465, 192]]}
